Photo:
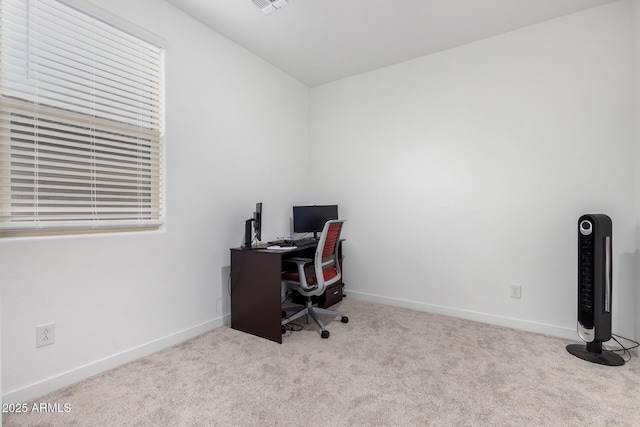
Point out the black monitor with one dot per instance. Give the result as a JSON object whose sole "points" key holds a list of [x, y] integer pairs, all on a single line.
{"points": [[311, 219], [253, 226]]}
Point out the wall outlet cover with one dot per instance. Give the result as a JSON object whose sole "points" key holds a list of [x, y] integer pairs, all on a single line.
{"points": [[45, 334]]}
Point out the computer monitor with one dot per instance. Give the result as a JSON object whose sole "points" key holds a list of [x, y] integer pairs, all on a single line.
{"points": [[253, 226], [311, 219]]}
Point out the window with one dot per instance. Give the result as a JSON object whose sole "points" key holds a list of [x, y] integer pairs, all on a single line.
{"points": [[81, 119]]}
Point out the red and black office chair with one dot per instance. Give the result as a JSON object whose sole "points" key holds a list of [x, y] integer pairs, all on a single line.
{"points": [[314, 276]]}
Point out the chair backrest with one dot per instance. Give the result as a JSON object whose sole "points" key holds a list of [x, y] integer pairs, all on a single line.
{"points": [[326, 262]]}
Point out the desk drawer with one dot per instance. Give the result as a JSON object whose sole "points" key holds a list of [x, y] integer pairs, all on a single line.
{"points": [[331, 296]]}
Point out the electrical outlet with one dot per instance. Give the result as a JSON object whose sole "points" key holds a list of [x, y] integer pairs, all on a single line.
{"points": [[516, 291], [45, 334]]}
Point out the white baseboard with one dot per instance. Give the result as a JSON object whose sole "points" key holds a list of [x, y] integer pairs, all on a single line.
{"points": [[525, 325], [40, 388]]}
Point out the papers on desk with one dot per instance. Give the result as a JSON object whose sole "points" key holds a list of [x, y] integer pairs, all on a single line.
{"points": [[282, 248]]}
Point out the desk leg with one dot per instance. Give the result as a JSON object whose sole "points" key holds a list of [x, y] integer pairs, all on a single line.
{"points": [[255, 293]]}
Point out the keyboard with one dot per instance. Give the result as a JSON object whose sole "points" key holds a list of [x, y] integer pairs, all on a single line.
{"points": [[305, 241], [298, 242], [283, 243]]}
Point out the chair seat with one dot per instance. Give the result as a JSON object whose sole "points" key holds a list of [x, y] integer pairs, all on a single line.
{"points": [[294, 276]]}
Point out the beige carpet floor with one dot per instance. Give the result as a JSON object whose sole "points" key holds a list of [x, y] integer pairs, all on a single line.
{"points": [[387, 367]]}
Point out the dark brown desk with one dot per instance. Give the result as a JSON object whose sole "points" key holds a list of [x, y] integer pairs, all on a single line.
{"points": [[256, 305]]}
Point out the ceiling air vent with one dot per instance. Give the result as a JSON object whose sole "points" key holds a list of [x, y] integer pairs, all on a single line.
{"points": [[268, 6]]}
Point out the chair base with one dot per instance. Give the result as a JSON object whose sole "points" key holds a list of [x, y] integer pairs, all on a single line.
{"points": [[311, 311]]}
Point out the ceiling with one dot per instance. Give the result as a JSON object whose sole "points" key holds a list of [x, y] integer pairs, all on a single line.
{"points": [[319, 41]]}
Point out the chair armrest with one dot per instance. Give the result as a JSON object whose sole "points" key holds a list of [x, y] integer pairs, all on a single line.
{"points": [[301, 263], [299, 260]]}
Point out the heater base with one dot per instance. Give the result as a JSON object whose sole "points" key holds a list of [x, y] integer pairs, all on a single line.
{"points": [[601, 357]]}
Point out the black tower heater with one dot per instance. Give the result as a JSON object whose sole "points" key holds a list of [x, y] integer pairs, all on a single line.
{"points": [[594, 290]]}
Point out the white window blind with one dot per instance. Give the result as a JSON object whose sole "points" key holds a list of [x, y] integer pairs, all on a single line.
{"points": [[81, 132]]}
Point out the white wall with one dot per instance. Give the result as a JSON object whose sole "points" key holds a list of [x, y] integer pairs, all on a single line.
{"points": [[234, 125], [465, 171], [636, 138]]}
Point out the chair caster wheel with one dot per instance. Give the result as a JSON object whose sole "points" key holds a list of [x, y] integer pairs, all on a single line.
{"points": [[324, 334], [284, 330], [345, 319]]}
